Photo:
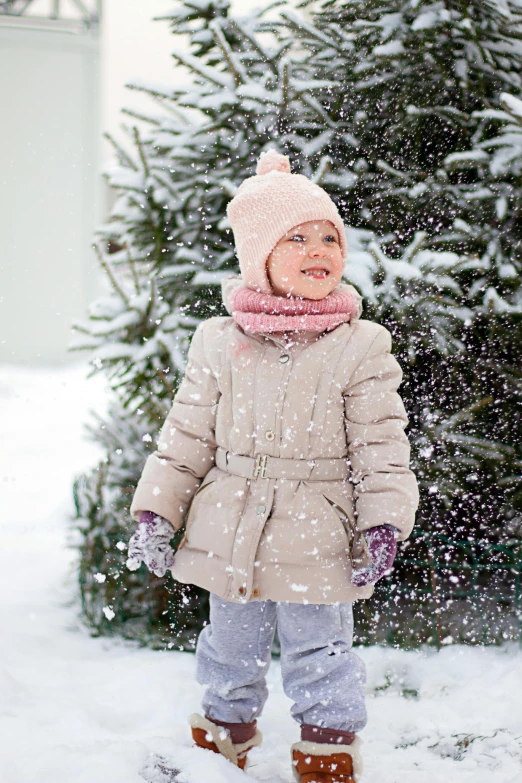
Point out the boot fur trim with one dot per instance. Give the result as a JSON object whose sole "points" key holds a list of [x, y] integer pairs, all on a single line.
{"points": [[224, 744], [327, 749]]}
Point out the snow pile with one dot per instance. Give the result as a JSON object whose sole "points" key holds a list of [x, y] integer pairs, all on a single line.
{"points": [[75, 709]]}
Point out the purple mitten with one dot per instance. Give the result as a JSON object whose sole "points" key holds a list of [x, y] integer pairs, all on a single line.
{"points": [[382, 546], [151, 544]]}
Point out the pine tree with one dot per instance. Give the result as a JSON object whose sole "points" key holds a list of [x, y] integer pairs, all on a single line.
{"points": [[409, 74], [415, 81], [165, 249], [298, 85]]}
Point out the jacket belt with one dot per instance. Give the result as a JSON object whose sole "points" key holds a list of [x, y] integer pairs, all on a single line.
{"points": [[265, 466]]}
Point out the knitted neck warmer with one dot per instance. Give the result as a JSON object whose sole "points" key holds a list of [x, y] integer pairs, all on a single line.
{"points": [[257, 312]]}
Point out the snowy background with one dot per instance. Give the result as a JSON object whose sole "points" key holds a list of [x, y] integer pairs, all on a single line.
{"points": [[74, 709]]}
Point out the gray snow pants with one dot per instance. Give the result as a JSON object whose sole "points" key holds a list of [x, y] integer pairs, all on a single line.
{"points": [[322, 676]]}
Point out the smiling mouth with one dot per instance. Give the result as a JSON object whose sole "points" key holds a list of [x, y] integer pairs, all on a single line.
{"points": [[317, 273]]}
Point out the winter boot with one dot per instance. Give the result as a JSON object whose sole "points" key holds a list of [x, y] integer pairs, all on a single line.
{"points": [[320, 762], [232, 740]]}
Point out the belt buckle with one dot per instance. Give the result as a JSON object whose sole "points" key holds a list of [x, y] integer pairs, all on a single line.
{"points": [[260, 465]]}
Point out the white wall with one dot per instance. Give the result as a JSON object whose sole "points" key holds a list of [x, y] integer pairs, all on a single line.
{"points": [[49, 189]]}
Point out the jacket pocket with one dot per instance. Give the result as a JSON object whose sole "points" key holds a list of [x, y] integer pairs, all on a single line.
{"points": [[343, 517], [359, 554], [204, 484], [199, 490]]}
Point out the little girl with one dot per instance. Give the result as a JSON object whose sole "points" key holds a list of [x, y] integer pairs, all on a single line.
{"points": [[286, 439]]}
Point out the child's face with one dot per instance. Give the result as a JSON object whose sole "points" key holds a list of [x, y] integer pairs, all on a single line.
{"points": [[308, 246]]}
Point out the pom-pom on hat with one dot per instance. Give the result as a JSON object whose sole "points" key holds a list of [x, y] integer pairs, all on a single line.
{"points": [[268, 205]]}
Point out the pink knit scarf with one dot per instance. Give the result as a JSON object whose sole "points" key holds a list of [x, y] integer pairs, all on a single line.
{"points": [[256, 312]]}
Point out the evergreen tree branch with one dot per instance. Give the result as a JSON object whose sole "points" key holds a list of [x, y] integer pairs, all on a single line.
{"points": [[107, 267], [319, 111], [206, 72], [139, 145], [465, 415], [141, 116], [383, 166], [121, 152], [132, 267], [253, 44], [235, 67], [300, 26], [324, 167]]}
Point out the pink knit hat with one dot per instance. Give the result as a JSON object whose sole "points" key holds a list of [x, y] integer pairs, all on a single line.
{"points": [[268, 205]]}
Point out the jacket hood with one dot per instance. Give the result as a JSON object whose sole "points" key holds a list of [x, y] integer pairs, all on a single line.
{"points": [[232, 283]]}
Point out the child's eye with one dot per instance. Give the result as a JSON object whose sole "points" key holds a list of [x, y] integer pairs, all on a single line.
{"points": [[330, 236], [297, 236]]}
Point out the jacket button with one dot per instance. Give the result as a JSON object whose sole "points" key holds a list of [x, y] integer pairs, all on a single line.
{"points": [[284, 358], [261, 509], [269, 435], [255, 592], [242, 590]]}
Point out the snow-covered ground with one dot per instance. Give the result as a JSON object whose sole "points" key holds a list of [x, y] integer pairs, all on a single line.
{"points": [[76, 710]]}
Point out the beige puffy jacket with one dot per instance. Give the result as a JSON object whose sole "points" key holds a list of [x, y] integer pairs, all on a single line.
{"points": [[285, 452]]}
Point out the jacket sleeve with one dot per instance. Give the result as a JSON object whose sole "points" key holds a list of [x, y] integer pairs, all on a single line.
{"points": [[186, 443], [385, 489]]}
